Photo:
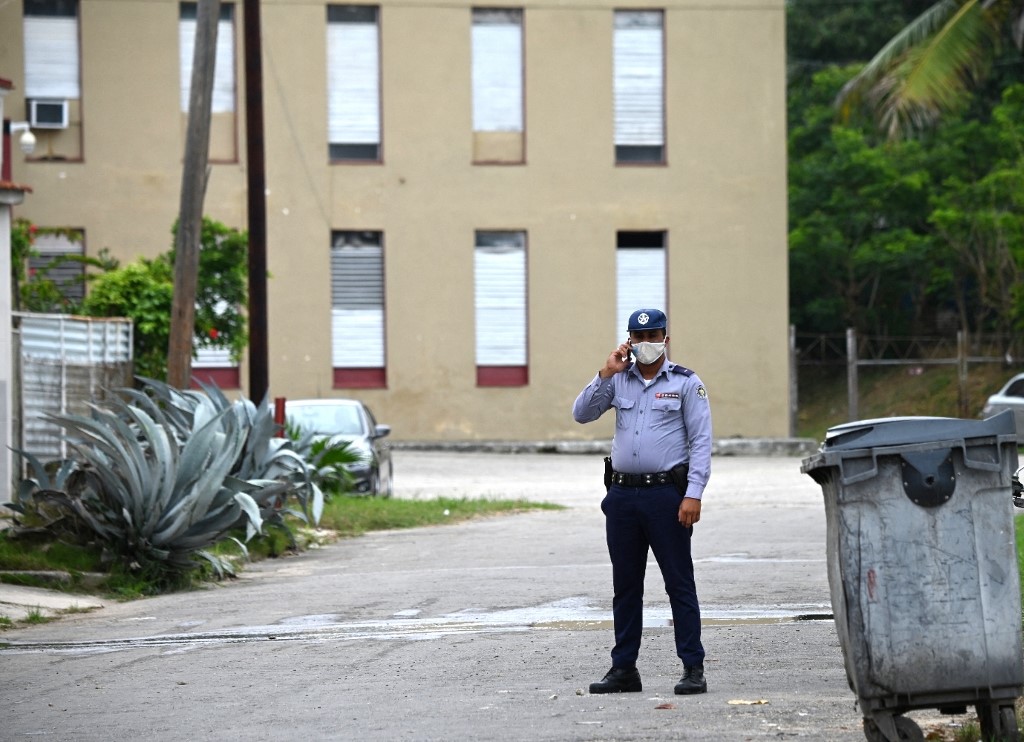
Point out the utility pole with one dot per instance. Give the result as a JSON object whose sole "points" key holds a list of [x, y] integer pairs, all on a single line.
{"points": [[259, 380], [193, 191]]}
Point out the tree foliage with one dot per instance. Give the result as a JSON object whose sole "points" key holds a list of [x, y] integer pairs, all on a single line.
{"points": [[143, 291], [909, 236], [930, 66]]}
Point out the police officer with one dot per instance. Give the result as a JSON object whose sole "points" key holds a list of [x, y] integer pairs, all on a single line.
{"points": [[660, 464]]}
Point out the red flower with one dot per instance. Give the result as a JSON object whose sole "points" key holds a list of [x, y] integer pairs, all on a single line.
{"points": [[213, 333]]}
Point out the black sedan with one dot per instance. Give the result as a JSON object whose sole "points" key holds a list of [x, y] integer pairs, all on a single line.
{"points": [[349, 421]]}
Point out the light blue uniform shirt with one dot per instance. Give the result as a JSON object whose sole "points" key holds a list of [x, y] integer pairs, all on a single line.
{"points": [[658, 425]]}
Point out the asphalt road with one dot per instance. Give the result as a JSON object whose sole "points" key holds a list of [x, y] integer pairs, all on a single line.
{"points": [[487, 630]]}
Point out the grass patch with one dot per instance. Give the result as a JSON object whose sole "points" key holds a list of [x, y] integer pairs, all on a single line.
{"points": [[36, 616], [41, 553], [890, 391], [353, 516]]}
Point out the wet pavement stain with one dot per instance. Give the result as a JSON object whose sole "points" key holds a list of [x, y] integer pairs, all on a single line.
{"points": [[324, 628]]}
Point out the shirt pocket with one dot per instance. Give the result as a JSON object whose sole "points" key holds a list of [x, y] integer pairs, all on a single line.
{"points": [[625, 411], [666, 411]]}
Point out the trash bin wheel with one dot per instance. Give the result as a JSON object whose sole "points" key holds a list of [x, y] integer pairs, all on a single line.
{"points": [[906, 729], [998, 722]]}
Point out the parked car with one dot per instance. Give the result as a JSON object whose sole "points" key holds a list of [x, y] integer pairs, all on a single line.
{"points": [[1010, 397], [349, 420]]}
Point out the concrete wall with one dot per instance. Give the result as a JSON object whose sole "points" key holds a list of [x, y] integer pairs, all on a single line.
{"points": [[721, 198]]}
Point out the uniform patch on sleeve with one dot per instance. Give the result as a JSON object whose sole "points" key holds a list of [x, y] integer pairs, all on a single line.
{"points": [[702, 392]]}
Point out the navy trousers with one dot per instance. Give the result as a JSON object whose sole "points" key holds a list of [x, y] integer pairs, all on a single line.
{"points": [[638, 518]]}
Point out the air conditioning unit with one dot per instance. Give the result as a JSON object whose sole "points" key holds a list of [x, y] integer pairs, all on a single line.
{"points": [[48, 113]]}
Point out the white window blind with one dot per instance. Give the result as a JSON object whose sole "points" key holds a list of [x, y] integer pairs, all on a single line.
{"points": [[51, 57], [497, 42], [500, 298], [353, 77], [213, 358], [224, 65], [357, 300], [639, 78], [640, 282]]}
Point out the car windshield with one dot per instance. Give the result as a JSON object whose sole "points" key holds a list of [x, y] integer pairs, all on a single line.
{"points": [[1016, 389], [340, 419]]}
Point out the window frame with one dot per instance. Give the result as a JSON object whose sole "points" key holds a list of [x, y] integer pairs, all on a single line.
{"points": [[639, 139], [225, 83], [347, 372], [498, 85], [633, 289], [342, 115], [497, 366]]}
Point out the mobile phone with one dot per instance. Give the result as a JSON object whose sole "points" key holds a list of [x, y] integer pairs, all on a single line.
{"points": [[629, 356]]}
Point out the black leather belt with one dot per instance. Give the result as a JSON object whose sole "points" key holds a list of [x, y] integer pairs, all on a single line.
{"points": [[641, 480]]}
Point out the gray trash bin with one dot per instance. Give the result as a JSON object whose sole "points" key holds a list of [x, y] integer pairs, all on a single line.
{"points": [[922, 568]]}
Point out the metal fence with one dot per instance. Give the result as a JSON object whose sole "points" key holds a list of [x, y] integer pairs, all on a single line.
{"points": [[856, 351], [62, 364]]}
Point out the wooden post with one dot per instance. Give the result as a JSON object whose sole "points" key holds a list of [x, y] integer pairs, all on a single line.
{"points": [[961, 368], [193, 191], [259, 372], [851, 374]]}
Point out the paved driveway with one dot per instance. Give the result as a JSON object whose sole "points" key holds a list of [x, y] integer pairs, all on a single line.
{"points": [[488, 630]]}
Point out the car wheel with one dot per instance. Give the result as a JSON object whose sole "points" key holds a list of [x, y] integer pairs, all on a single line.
{"points": [[375, 483]]}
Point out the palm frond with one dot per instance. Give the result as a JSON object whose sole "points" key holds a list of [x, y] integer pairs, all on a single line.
{"points": [[927, 68]]}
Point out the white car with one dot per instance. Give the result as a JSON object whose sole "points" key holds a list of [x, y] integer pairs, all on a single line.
{"points": [[349, 421], [1010, 397]]}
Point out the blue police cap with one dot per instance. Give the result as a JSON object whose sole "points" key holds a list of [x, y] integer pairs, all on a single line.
{"points": [[647, 319]]}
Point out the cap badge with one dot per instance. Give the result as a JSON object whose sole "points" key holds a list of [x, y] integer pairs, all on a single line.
{"points": [[643, 318]]}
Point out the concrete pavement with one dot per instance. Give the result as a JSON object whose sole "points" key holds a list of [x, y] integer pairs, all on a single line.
{"points": [[488, 630], [18, 603]]}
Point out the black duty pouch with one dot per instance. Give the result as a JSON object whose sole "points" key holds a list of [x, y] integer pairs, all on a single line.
{"points": [[607, 473], [678, 475]]}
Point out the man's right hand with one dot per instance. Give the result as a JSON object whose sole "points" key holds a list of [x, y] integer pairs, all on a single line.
{"points": [[617, 361]]}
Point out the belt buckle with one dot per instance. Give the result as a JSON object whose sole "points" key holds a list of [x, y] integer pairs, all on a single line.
{"points": [[647, 479]]}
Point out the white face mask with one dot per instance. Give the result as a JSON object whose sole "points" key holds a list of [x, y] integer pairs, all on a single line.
{"points": [[647, 352]]}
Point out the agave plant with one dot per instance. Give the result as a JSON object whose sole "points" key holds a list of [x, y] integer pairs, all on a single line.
{"points": [[264, 456], [152, 503]]}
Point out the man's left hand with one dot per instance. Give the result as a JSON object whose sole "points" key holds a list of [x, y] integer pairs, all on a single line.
{"points": [[689, 511]]}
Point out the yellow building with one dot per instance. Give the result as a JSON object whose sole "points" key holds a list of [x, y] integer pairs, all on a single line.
{"points": [[463, 201]]}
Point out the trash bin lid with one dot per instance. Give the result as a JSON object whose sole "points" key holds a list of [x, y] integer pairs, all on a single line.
{"points": [[902, 431]]}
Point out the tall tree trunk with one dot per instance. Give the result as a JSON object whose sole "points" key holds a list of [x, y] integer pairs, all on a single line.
{"points": [[193, 190]]}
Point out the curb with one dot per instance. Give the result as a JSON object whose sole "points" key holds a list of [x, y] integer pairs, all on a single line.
{"points": [[721, 447]]}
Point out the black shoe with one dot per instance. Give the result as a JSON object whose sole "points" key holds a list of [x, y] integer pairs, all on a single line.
{"points": [[692, 681], [619, 680]]}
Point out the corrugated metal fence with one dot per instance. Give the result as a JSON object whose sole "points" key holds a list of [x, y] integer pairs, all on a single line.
{"points": [[63, 363]]}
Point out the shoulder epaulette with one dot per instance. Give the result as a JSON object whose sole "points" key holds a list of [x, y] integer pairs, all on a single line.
{"points": [[681, 370]]}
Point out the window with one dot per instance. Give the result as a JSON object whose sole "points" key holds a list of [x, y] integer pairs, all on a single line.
{"points": [[52, 75], [214, 365], [56, 261], [224, 66], [640, 275], [353, 83], [639, 87], [357, 309], [497, 85], [223, 103], [500, 300]]}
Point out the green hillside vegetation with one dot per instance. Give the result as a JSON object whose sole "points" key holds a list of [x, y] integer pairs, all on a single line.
{"points": [[892, 391]]}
